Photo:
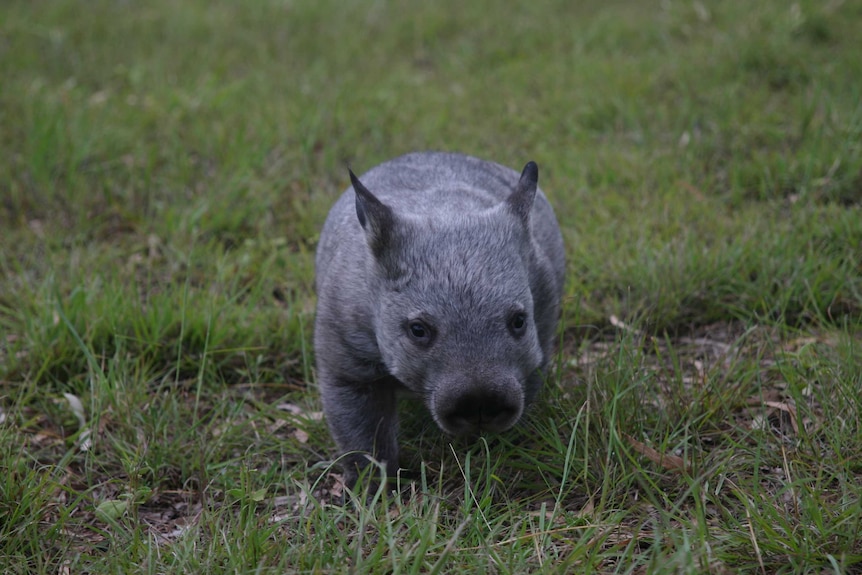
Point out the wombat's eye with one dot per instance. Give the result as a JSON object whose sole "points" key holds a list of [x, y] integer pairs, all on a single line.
{"points": [[419, 332], [518, 323]]}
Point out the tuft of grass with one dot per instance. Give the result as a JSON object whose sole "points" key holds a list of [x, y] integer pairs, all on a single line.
{"points": [[166, 168]]}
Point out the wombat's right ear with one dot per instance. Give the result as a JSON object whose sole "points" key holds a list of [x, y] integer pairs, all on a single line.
{"points": [[521, 200], [375, 217]]}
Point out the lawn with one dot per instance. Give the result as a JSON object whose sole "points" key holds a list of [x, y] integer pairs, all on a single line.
{"points": [[165, 168]]}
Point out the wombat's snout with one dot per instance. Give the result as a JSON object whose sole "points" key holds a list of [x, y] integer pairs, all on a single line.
{"points": [[479, 410]]}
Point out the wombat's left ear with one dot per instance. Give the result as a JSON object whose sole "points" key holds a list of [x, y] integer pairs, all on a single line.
{"points": [[521, 200], [375, 217]]}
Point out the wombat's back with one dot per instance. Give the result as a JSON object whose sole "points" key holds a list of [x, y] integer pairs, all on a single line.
{"points": [[434, 181], [441, 184]]}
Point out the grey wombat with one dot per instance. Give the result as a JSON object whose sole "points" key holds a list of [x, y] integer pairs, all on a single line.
{"points": [[442, 276]]}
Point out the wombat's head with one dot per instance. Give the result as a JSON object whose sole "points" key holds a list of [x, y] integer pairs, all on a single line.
{"points": [[454, 308]]}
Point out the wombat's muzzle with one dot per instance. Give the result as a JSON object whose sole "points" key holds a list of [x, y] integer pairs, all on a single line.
{"points": [[495, 409]]}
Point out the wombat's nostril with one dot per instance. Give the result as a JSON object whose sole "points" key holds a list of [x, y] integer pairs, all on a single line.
{"points": [[480, 411]]}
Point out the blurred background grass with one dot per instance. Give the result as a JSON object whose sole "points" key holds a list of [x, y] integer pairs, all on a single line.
{"points": [[704, 158]]}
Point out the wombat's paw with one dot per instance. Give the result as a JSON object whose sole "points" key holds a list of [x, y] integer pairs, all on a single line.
{"points": [[362, 467]]}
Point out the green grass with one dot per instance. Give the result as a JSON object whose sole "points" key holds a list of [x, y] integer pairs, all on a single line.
{"points": [[166, 168]]}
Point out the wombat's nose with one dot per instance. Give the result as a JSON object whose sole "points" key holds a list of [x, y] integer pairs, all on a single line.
{"points": [[480, 411]]}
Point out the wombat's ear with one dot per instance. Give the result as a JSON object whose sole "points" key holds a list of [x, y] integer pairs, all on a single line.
{"points": [[375, 217], [521, 200]]}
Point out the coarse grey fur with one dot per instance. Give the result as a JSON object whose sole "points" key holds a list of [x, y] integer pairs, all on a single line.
{"points": [[442, 274]]}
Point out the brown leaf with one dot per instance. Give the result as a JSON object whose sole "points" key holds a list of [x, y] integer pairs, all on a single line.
{"points": [[621, 325], [790, 410], [290, 408], [669, 462], [786, 408]]}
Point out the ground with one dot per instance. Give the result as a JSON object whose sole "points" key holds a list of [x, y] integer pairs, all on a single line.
{"points": [[165, 171]]}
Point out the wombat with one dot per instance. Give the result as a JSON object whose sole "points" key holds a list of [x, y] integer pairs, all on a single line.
{"points": [[441, 274]]}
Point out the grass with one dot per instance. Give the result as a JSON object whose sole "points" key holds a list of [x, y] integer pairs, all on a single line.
{"points": [[166, 169]]}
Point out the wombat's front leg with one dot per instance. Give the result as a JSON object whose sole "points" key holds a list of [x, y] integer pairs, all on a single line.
{"points": [[363, 420]]}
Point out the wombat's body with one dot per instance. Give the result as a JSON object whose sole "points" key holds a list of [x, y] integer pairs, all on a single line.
{"points": [[442, 274]]}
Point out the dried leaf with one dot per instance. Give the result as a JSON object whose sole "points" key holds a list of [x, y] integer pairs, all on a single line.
{"points": [[85, 442], [588, 509], [77, 408], [758, 422], [290, 408], [790, 410], [620, 324], [297, 411], [667, 461], [337, 489], [786, 408]]}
